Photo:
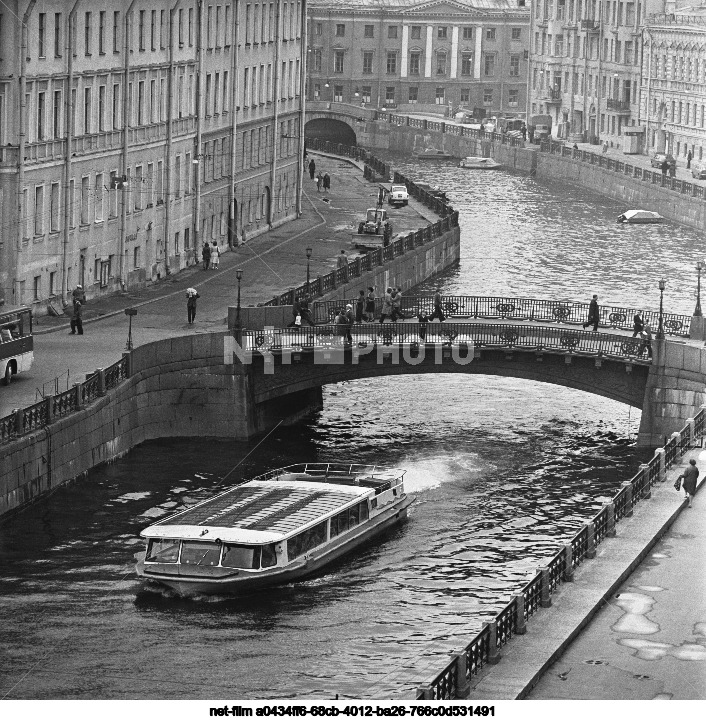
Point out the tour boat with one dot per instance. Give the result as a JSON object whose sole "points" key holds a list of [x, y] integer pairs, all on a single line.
{"points": [[474, 163], [640, 216], [275, 528]]}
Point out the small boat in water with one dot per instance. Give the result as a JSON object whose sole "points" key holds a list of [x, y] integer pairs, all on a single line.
{"points": [[640, 216], [276, 528], [433, 155], [475, 163]]}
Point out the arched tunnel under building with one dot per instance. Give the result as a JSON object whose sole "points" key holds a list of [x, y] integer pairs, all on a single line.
{"points": [[335, 131]]}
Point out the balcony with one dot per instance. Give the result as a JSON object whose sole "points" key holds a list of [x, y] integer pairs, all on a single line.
{"points": [[622, 107], [590, 26], [551, 96]]}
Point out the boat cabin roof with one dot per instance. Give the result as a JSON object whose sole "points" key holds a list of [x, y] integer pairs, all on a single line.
{"points": [[271, 508]]}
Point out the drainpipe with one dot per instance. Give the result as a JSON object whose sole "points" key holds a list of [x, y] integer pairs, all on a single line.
{"points": [[22, 135], [528, 104], [168, 148], [600, 83], [586, 122], [234, 95], [275, 135], [199, 112], [648, 99], [127, 107], [302, 106], [69, 126]]}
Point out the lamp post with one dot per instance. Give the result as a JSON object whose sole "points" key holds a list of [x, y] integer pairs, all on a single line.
{"points": [[660, 329], [308, 258], [129, 312], [699, 267], [238, 275]]}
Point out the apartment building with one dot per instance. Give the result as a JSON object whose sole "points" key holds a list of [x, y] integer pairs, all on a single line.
{"points": [[585, 67], [673, 105], [132, 132], [414, 55]]}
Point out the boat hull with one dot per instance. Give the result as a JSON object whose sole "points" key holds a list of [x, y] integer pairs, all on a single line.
{"points": [[239, 584]]}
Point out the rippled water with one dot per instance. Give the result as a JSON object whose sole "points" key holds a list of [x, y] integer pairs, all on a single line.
{"points": [[503, 470]]}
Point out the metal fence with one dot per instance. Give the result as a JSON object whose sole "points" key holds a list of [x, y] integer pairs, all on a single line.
{"points": [[479, 650]]}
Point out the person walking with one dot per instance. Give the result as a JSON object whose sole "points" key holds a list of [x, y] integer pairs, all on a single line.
{"points": [[305, 311], [524, 131], [79, 294], [594, 314], [438, 312], [312, 168], [370, 304], [673, 169], [646, 340], [637, 324], [206, 255], [396, 298], [296, 314], [664, 167], [689, 158], [243, 237], [342, 330], [342, 262], [349, 322], [191, 296], [386, 305], [319, 182], [77, 318], [360, 306], [215, 256], [605, 147], [327, 181], [689, 478]]}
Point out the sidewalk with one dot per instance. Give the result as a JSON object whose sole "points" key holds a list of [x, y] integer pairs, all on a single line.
{"points": [[271, 262]]}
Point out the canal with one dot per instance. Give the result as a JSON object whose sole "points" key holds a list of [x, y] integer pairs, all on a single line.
{"points": [[503, 470]]}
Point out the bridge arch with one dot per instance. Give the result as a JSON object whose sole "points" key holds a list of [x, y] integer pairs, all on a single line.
{"points": [[331, 129]]}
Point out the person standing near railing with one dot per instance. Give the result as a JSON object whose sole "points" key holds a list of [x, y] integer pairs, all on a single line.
{"points": [[342, 262], [637, 324], [438, 312], [689, 481], [370, 304], [594, 314], [386, 305]]}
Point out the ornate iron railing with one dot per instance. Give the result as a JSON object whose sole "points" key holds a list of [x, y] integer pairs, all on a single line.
{"points": [[600, 526], [35, 416], [506, 622], [64, 403], [89, 388], [116, 373], [8, 428], [579, 547]]}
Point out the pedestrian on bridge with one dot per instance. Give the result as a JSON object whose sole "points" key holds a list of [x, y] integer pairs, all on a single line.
{"points": [[360, 306], [637, 324], [646, 340], [689, 158], [370, 304], [342, 262], [594, 314], [438, 312], [689, 481], [387, 306], [191, 296]]}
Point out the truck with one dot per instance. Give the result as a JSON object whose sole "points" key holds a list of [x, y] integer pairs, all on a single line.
{"points": [[539, 128], [376, 223]]}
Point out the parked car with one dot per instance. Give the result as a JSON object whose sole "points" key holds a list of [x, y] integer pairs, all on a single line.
{"points": [[398, 195], [698, 169], [659, 158]]}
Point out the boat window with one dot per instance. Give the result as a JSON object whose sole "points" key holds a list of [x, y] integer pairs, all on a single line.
{"points": [[364, 515], [339, 524], [199, 553], [353, 516], [162, 550], [305, 541], [235, 556], [269, 555]]}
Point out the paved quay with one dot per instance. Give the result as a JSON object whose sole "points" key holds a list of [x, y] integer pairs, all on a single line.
{"points": [[272, 262], [632, 624]]}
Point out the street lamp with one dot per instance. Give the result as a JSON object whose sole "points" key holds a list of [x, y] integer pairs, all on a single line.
{"points": [[129, 312], [660, 329], [699, 267], [238, 275], [308, 258]]}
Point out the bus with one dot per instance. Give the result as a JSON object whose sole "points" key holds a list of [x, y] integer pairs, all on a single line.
{"points": [[16, 343]]}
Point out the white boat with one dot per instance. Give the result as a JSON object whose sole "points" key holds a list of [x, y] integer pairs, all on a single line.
{"points": [[474, 163], [276, 528], [640, 216]]}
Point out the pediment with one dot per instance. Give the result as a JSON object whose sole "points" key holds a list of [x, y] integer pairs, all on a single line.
{"points": [[442, 7]]}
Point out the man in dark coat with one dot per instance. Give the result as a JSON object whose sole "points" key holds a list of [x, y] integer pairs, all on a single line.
{"points": [[191, 297], [77, 318], [312, 168], [689, 476], [594, 314], [637, 325]]}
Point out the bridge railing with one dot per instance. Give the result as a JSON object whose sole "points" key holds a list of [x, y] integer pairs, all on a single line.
{"points": [[529, 338], [485, 645], [517, 309]]}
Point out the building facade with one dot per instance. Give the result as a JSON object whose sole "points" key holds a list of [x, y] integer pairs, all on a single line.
{"points": [[585, 67], [674, 82], [414, 55], [132, 132]]}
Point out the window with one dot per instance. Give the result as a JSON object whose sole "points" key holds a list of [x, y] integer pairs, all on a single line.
{"points": [[189, 170], [301, 543], [413, 95], [317, 91], [368, 31], [340, 30], [116, 32], [365, 93], [101, 32], [138, 188], [513, 98], [391, 63], [490, 65], [414, 59], [392, 31], [153, 30], [487, 96], [141, 102], [42, 34], [141, 31], [465, 95], [441, 33], [367, 62], [86, 110], [160, 183], [56, 124], [559, 46], [338, 93], [348, 519], [101, 108], [98, 199], [190, 32], [440, 96], [319, 30], [84, 200], [57, 35], [52, 283], [338, 61], [514, 66], [137, 263], [87, 34], [39, 210], [490, 34], [390, 95], [37, 287], [441, 63], [317, 60], [516, 33], [466, 63], [41, 115], [468, 33]]}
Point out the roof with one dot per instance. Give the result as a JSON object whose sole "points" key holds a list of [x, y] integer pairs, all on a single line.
{"points": [[258, 511], [418, 5]]}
